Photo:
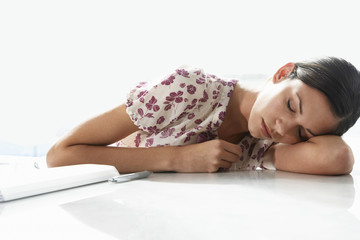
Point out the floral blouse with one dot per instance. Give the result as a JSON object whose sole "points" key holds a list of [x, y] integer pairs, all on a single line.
{"points": [[186, 107]]}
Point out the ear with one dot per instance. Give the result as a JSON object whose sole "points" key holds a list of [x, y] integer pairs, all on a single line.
{"points": [[283, 72]]}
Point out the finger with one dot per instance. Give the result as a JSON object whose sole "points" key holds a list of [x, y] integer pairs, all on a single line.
{"points": [[229, 156], [225, 164], [232, 148]]}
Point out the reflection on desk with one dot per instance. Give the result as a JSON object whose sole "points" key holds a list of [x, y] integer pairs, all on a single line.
{"points": [[228, 205], [260, 204]]}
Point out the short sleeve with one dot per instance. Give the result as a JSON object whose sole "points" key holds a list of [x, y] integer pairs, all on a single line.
{"points": [[156, 106]]}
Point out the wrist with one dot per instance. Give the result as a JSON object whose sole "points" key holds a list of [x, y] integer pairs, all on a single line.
{"points": [[175, 158]]}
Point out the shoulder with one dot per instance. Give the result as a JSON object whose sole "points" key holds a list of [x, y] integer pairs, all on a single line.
{"points": [[186, 92]]}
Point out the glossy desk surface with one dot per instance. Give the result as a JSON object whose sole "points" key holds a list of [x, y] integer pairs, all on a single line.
{"points": [[228, 205]]}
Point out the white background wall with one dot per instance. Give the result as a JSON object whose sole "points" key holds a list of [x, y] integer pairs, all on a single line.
{"points": [[62, 62]]}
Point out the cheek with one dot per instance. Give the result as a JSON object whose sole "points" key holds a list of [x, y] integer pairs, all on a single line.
{"points": [[268, 109], [265, 107], [276, 107]]}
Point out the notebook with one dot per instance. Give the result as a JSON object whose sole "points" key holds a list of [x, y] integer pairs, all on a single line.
{"points": [[39, 181]]}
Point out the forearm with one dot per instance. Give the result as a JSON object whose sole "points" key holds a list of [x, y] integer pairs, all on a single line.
{"points": [[203, 157], [325, 155], [125, 160]]}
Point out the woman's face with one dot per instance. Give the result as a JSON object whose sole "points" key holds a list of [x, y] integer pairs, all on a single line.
{"points": [[289, 111]]}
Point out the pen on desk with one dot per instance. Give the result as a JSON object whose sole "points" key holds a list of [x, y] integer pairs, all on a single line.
{"points": [[129, 177]]}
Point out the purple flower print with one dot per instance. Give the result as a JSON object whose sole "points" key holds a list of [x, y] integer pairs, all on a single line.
{"points": [[141, 112], [182, 72], [179, 134], [211, 76], [137, 140], [242, 149], [152, 130], [149, 142], [214, 106], [178, 98], [191, 116], [183, 128], [168, 80], [191, 89], [232, 82], [200, 80], [260, 153], [230, 93], [188, 136], [205, 136], [197, 72], [151, 104], [129, 103], [175, 96], [141, 84], [202, 138], [160, 120], [205, 97], [182, 85], [149, 115], [246, 144], [142, 94], [222, 115], [168, 105], [193, 103], [215, 94], [208, 127], [224, 83], [167, 132], [198, 127], [251, 149], [183, 114], [198, 121]]}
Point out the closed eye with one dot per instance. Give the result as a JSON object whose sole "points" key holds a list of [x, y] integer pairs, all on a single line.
{"points": [[289, 106]]}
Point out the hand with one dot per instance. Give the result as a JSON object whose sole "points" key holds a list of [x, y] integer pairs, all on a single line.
{"points": [[207, 156]]}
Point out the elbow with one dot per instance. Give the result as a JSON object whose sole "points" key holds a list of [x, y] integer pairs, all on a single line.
{"points": [[54, 157], [343, 161]]}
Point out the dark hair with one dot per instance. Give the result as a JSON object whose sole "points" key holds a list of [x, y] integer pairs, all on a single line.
{"points": [[339, 80]]}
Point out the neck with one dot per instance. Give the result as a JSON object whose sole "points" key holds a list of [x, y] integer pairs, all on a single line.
{"points": [[239, 108]]}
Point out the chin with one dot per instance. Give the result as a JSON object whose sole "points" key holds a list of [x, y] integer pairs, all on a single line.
{"points": [[254, 133]]}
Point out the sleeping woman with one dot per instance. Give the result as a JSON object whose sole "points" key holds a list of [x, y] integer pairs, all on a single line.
{"points": [[192, 121]]}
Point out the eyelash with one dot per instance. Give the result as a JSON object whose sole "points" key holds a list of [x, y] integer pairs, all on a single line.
{"points": [[299, 131], [289, 107]]}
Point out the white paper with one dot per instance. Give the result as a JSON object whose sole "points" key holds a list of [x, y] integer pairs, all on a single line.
{"points": [[46, 180]]}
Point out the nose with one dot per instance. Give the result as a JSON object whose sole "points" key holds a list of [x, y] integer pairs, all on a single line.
{"points": [[283, 126]]}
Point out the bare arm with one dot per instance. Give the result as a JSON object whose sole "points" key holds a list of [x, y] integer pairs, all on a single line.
{"points": [[88, 144], [324, 155]]}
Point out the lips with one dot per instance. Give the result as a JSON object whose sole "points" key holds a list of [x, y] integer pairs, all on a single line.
{"points": [[265, 129]]}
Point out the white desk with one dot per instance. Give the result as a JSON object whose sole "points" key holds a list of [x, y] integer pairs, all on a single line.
{"points": [[230, 205]]}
